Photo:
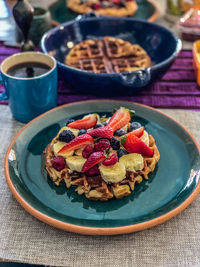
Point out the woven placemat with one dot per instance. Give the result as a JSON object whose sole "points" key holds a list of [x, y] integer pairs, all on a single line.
{"points": [[24, 238], [177, 89]]}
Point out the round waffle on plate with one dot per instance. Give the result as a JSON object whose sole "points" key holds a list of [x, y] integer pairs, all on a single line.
{"points": [[109, 55], [116, 8], [115, 163]]}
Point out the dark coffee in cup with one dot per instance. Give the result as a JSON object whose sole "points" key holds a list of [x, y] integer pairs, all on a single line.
{"points": [[28, 70]]}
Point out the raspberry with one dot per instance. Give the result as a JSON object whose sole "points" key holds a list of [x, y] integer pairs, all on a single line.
{"points": [[111, 160], [87, 151], [102, 145], [96, 6], [58, 163], [93, 171]]}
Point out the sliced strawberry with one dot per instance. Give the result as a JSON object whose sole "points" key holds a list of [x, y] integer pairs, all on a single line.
{"points": [[104, 131], [138, 132], [133, 144], [119, 119], [78, 142], [85, 123], [93, 159]]}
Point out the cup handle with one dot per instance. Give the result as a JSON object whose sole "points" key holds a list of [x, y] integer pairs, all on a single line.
{"points": [[3, 95]]}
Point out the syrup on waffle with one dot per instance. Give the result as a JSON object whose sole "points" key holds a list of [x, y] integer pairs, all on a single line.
{"points": [[110, 55]]}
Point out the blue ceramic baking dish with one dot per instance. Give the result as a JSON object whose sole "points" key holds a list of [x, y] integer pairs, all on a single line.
{"points": [[160, 43]]}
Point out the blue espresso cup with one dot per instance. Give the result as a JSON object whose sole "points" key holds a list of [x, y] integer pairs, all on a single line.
{"points": [[29, 97]]}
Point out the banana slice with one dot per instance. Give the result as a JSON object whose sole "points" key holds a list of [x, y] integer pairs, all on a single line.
{"points": [[73, 130], [75, 163], [133, 162], [79, 151], [145, 138], [114, 173], [57, 146]]}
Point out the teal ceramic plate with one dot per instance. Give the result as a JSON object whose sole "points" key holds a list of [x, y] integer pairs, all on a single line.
{"points": [[60, 13], [170, 188]]}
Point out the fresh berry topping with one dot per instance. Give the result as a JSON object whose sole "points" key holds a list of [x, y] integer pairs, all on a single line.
{"points": [[66, 136], [102, 145], [85, 123], [119, 132], [87, 151], [58, 163], [97, 126], [116, 2], [115, 143], [104, 131], [93, 171], [96, 6], [69, 121], [138, 132], [119, 119], [121, 152], [78, 142], [82, 131], [105, 123], [134, 125], [93, 159], [133, 144], [111, 160]]}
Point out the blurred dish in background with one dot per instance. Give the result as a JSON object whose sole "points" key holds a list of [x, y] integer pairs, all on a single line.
{"points": [[189, 25], [60, 13]]}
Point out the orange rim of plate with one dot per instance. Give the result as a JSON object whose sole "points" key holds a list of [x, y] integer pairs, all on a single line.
{"points": [[92, 230]]}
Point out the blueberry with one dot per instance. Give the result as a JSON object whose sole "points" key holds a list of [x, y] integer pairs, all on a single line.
{"points": [[134, 125], [69, 121], [119, 132], [115, 143], [97, 126], [121, 4], [105, 123], [66, 136], [121, 152], [82, 131]]}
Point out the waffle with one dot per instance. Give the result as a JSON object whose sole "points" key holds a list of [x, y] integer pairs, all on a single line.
{"points": [[94, 187], [109, 55], [115, 8]]}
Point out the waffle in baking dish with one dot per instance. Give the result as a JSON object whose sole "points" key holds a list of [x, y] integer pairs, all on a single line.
{"points": [[109, 55]]}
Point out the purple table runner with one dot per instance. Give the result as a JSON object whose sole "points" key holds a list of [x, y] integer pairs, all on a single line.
{"points": [[177, 89]]}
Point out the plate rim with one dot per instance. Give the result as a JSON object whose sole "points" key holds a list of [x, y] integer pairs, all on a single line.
{"points": [[85, 230], [152, 18]]}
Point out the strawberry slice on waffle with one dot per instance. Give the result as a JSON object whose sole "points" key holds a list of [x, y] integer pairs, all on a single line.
{"points": [[119, 119], [78, 142], [85, 123], [134, 144]]}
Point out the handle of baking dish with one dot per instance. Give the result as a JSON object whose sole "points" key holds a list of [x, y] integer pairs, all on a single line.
{"points": [[88, 15], [3, 95], [137, 79]]}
